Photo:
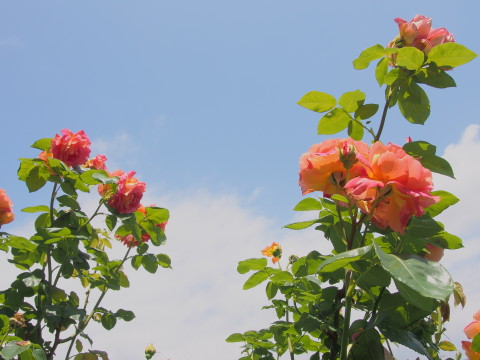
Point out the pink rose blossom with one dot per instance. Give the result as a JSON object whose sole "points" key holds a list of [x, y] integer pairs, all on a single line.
{"points": [[72, 149], [98, 162], [419, 33], [128, 195]]}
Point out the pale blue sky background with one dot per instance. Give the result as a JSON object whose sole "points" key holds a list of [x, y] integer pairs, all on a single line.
{"points": [[199, 97]]}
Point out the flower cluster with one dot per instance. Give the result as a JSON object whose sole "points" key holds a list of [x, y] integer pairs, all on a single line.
{"points": [[419, 33], [471, 330], [383, 180], [6, 212], [274, 251], [130, 240]]}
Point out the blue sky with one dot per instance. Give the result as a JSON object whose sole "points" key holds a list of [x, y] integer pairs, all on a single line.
{"points": [[200, 99]]}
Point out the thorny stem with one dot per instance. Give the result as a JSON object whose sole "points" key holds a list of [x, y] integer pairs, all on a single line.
{"points": [[384, 117], [346, 319]]}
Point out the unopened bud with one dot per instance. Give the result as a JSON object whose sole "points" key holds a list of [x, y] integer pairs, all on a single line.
{"points": [[348, 155], [150, 351], [292, 259]]}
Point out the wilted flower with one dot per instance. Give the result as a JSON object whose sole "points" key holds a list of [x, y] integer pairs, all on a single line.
{"points": [[17, 320], [6, 212], [72, 149], [274, 251]]}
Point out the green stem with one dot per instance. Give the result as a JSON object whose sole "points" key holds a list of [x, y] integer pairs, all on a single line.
{"points": [[382, 122], [84, 324], [289, 339], [94, 214], [346, 320]]}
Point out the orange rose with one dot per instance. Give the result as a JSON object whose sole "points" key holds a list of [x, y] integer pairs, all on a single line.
{"points": [[395, 187], [6, 212], [72, 149], [274, 251], [472, 330], [322, 168]]}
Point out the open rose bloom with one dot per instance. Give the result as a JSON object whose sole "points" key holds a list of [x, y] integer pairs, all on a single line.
{"points": [[72, 149], [419, 33], [128, 195], [6, 212], [384, 182]]}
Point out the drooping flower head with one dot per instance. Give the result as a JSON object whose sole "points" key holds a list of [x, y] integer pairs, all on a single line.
{"points": [[274, 251], [6, 212], [98, 162], [72, 149], [419, 33], [323, 167], [395, 187]]}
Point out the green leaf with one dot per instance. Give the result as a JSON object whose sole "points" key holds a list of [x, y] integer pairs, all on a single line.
{"points": [[435, 77], [36, 179], [164, 261], [381, 70], [425, 153], [271, 290], [109, 321], [111, 221], [355, 130], [366, 111], [366, 56], [446, 240], [317, 101], [351, 100], [476, 343], [39, 354], [405, 338], [344, 259], [20, 243], [429, 279], [447, 346], [12, 349], [302, 224], [446, 200], [414, 298], [424, 227], [256, 279], [395, 75], [34, 209], [68, 201], [88, 178], [413, 103], [410, 58], [308, 204], [157, 215], [125, 315], [340, 198], [333, 122], [282, 276], [85, 356], [42, 144], [237, 337], [251, 264], [368, 346], [149, 262], [102, 177], [450, 54]]}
